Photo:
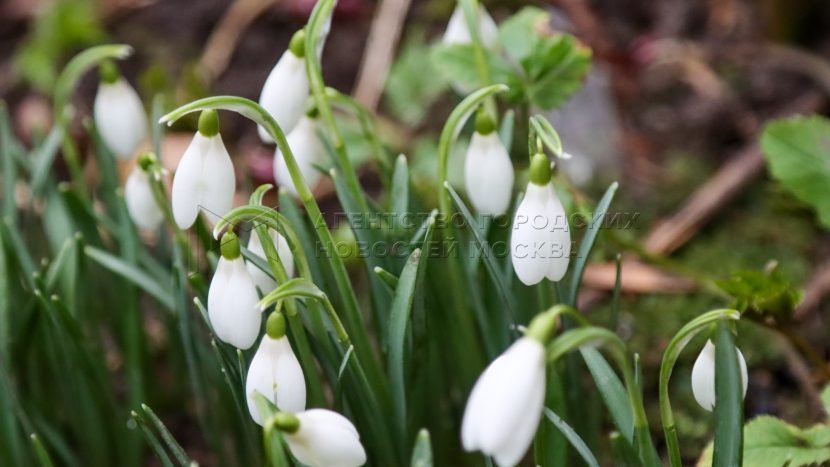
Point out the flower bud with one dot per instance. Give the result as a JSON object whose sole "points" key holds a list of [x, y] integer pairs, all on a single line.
{"points": [[262, 279], [506, 403], [488, 172], [141, 204], [703, 376], [458, 33], [204, 179], [308, 151], [324, 438], [232, 298], [275, 372], [286, 90], [119, 113]]}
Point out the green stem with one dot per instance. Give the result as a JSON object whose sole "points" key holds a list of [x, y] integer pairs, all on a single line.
{"points": [[471, 15], [370, 130], [670, 356]]}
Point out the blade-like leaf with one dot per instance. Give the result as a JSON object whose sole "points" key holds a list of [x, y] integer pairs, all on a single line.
{"points": [[572, 437], [729, 404]]}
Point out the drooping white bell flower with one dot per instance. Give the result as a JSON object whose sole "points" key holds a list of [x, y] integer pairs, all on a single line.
{"points": [[204, 180], [321, 438], [458, 33], [261, 279], [275, 372], [308, 150], [138, 194], [540, 245], [119, 114], [703, 376], [506, 403], [232, 299], [488, 172], [286, 90]]}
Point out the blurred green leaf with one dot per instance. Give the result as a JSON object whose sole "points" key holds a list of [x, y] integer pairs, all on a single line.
{"points": [[422, 454], [572, 437], [513, 32], [456, 63], [729, 402], [413, 82], [555, 70], [798, 153], [765, 294]]}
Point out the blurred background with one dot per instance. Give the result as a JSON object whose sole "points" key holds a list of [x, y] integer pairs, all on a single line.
{"points": [[673, 107]]}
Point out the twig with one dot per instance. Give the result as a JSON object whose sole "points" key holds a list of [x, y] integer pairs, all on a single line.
{"points": [[380, 48]]}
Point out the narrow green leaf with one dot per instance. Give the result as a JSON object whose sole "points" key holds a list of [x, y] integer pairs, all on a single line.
{"points": [[7, 149], [133, 274], [174, 446], [571, 435], [43, 157], [400, 192], [729, 403], [612, 391], [42, 456], [152, 439], [622, 452], [588, 242]]}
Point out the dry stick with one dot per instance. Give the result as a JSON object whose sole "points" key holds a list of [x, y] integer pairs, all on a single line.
{"points": [[380, 48], [224, 38]]}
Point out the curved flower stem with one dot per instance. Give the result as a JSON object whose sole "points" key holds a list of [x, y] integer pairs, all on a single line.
{"points": [[450, 132], [590, 335], [256, 113], [471, 17], [278, 269], [303, 288], [314, 32], [670, 356], [370, 130]]}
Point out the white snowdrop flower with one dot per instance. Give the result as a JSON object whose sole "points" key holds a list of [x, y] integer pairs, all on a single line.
{"points": [[232, 299], [138, 194], [119, 114], [204, 180], [458, 33], [275, 372], [321, 438], [308, 150], [261, 279], [286, 90], [703, 376], [488, 172], [506, 403], [540, 245]]}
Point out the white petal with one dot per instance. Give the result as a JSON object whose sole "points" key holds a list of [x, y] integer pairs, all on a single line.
{"points": [[141, 205], [232, 304], [531, 240], [120, 117], [285, 93], [505, 406], [703, 376], [219, 181], [560, 250], [275, 371], [186, 191], [308, 150], [458, 33], [326, 439], [488, 174]]}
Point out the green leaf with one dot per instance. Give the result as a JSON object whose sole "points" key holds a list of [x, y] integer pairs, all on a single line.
{"points": [[174, 446], [825, 398], [764, 294], [612, 391], [422, 454], [588, 242], [572, 437], [132, 273], [798, 153], [413, 78], [43, 157], [400, 192], [555, 70], [456, 63], [520, 33], [729, 402]]}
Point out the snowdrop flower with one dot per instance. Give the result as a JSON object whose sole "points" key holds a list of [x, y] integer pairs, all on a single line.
{"points": [[308, 150], [506, 403], [119, 114], [458, 33], [138, 194], [703, 376], [261, 279], [286, 89], [275, 372], [232, 299], [488, 172], [321, 438], [205, 177], [540, 245]]}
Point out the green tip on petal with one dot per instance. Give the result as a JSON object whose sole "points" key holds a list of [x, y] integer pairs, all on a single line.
{"points": [[540, 169], [275, 326], [108, 72], [312, 112], [297, 44], [286, 422], [146, 160], [209, 123], [542, 327], [229, 245], [484, 122]]}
